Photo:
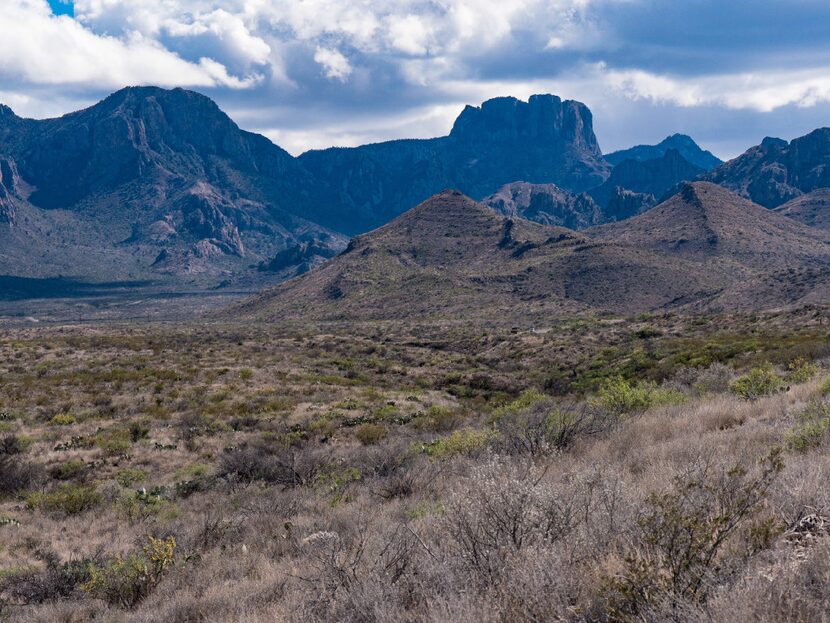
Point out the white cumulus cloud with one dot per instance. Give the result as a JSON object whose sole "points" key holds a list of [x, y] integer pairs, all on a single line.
{"points": [[38, 48], [334, 64]]}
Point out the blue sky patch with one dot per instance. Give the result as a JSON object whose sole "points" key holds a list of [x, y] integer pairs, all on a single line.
{"points": [[62, 7]]}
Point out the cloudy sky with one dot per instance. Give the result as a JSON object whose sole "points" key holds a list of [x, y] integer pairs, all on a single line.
{"points": [[315, 73]]}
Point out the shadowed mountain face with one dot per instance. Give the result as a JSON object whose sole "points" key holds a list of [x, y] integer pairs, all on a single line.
{"points": [[646, 182], [685, 145], [152, 182], [704, 248], [545, 140], [776, 172]]}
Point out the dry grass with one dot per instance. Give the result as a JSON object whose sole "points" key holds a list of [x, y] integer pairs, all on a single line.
{"points": [[258, 460]]}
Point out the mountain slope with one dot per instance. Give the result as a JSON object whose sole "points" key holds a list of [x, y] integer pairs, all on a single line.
{"points": [[776, 172], [451, 257], [704, 249], [687, 147], [705, 222], [162, 183], [544, 140], [764, 260], [812, 209]]}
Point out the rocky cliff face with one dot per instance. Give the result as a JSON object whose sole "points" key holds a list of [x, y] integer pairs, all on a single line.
{"points": [[547, 204], [9, 189], [544, 140], [776, 172]]}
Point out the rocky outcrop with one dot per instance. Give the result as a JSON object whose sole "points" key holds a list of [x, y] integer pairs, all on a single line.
{"points": [[542, 141], [687, 147], [9, 189], [776, 171], [205, 217], [545, 203], [623, 204]]}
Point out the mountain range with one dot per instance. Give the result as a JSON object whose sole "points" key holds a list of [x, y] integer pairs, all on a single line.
{"points": [[703, 249], [160, 186]]}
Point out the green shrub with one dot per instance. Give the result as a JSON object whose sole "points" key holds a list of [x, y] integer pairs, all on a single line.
{"points": [[800, 371], [466, 441], [811, 427], [759, 382], [824, 388], [620, 395], [66, 499], [125, 582], [129, 477], [246, 374], [194, 470], [139, 430], [69, 470], [436, 419], [541, 426], [336, 481], [63, 419], [137, 506], [115, 441], [525, 400], [370, 434]]}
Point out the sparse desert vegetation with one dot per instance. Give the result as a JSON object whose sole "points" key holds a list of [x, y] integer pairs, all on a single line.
{"points": [[658, 468]]}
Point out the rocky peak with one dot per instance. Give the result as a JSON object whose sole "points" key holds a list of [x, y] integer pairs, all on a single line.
{"points": [[6, 112], [776, 171], [770, 142], [541, 118], [684, 144], [545, 203]]}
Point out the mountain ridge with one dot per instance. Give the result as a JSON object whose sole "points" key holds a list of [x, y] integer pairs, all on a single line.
{"points": [[703, 248], [683, 143]]}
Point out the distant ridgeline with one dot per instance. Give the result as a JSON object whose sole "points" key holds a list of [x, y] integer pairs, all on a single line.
{"points": [[161, 185]]}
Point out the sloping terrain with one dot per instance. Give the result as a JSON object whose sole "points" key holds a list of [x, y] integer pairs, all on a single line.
{"points": [[452, 256], [812, 209], [705, 248], [705, 222], [765, 260], [687, 147], [646, 182], [776, 171]]}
